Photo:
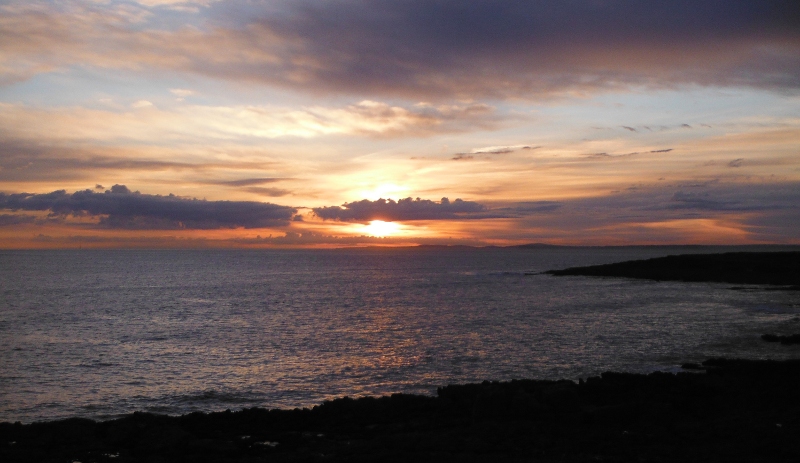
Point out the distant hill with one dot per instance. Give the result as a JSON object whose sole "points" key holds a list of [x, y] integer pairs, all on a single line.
{"points": [[537, 246]]}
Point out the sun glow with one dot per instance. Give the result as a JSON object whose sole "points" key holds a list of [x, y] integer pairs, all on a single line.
{"points": [[381, 229], [385, 191]]}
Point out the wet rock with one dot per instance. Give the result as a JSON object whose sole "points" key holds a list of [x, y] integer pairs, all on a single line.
{"points": [[730, 412]]}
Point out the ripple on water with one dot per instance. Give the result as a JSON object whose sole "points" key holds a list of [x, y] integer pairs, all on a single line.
{"points": [[181, 331]]}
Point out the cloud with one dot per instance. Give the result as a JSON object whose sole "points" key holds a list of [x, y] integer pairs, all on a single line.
{"points": [[189, 123], [121, 208], [650, 128], [269, 192], [420, 49], [721, 197], [181, 93], [726, 197], [711, 212], [722, 212], [480, 47], [378, 118], [248, 181], [33, 160], [491, 150], [501, 149], [535, 207], [141, 104], [701, 201], [174, 3], [405, 209], [15, 219], [634, 153]]}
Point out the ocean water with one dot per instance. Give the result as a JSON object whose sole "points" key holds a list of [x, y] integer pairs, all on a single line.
{"points": [[102, 333]]}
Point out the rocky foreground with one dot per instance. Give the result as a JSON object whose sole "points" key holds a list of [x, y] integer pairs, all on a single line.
{"points": [[756, 268], [723, 410]]}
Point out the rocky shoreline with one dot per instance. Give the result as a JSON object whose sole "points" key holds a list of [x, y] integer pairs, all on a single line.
{"points": [[724, 410], [751, 268]]}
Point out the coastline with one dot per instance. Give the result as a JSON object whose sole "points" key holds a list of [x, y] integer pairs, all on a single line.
{"points": [[752, 268], [731, 410], [720, 410]]}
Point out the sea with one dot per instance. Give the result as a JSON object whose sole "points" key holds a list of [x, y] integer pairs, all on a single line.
{"points": [[103, 333]]}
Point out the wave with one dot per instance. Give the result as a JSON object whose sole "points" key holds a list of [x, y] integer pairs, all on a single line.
{"points": [[212, 396]]}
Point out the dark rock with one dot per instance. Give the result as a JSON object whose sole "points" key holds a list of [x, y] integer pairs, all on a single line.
{"points": [[791, 339], [768, 268], [738, 410], [692, 366]]}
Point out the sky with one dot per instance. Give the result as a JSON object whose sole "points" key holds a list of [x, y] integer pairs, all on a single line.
{"points": [[311, 123]]}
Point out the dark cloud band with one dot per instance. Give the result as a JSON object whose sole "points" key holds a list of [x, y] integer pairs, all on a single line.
{"points": [[405, 209], [484, 47], [121, 208], [423, 49]]}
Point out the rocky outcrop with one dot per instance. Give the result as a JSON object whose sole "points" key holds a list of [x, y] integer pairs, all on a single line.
{"points": [[727, 410], [791, 339], [756, 268]]}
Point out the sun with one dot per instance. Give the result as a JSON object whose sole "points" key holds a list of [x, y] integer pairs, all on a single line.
{"points": [[381, 229]]}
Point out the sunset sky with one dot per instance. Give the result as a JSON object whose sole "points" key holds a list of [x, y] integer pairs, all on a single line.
{"points": [[216, 123]]}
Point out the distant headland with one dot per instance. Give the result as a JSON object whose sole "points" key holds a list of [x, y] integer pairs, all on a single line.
{"points": [[749, 268]]}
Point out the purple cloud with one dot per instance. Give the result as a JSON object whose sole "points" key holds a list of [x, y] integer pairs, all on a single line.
{"points": [[406, 209], [121, 208], [435, 49]]}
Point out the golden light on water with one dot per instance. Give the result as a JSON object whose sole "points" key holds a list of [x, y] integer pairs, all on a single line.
{"points": [[381, 229]]}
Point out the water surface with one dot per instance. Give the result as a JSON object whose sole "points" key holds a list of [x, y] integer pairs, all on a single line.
{"points": [[102, 333]]}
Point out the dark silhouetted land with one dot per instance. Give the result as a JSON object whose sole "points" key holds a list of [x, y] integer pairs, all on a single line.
{"points": [[757, 268], [729, 411], [790, 339]]}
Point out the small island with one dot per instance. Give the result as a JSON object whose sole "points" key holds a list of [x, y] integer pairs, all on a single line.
{"points": [[748, 268]]}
